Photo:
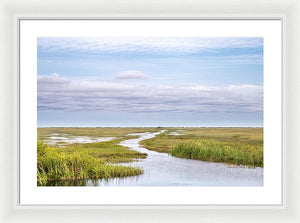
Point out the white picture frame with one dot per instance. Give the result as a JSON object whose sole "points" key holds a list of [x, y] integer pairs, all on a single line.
{"points": [[268, 194], [10, 211]]}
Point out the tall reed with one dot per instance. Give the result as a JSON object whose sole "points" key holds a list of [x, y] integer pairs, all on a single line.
{"points": [[215, 151], [53, 165]]}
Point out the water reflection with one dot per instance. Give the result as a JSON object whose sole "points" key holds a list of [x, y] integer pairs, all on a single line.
{"points": [[95, 182]]}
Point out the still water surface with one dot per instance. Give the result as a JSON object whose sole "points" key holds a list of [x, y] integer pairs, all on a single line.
{"points": [[161, 169]]}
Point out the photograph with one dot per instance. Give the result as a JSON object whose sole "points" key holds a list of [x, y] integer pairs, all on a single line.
{"points": [[150, 111]]}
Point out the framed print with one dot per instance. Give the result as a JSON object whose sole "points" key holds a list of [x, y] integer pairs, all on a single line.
{"points": [[150, 107], [148, 114]]}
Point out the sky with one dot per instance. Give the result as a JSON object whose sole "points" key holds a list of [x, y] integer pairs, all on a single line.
{"points": [[150, 81]]}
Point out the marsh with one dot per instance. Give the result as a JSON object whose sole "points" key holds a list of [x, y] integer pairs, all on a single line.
{"points": [[144, 156]]}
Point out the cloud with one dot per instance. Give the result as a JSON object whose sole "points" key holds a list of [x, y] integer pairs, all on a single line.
{"points": [[131, 74], [59, 93], [238, 59], [145, 44]]}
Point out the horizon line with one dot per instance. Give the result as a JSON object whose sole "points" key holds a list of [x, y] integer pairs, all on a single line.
{"points": [[150, 126]]}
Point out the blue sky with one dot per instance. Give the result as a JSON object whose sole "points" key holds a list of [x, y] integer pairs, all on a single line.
{"points": [[150, 81]]}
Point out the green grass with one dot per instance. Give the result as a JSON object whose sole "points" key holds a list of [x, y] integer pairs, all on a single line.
{"points": [[224, 152], [109, 151], [43, 133], [239, 146], [86, 160], [56, 165]]}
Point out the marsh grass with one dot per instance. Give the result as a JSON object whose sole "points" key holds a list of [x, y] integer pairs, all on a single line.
{"points": [[238, 146], [43, 133], [56, 165], [223, 152], [78, 161], [110, 151]]}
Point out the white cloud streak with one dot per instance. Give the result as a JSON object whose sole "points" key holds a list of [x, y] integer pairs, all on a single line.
{"points": [[59, 93], [146, 44], [131, 74]]}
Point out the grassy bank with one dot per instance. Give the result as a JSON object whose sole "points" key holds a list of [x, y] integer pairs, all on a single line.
{"points": [[223, 152], [54, 165], [239, 146], [109, 152], [86, 160], [44, 133]]}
